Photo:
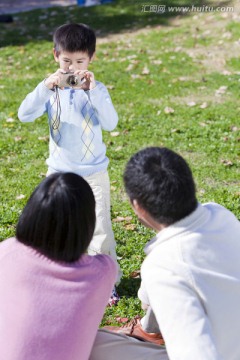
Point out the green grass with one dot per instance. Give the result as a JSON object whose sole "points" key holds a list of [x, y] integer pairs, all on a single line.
{"points": [[149, 62]]}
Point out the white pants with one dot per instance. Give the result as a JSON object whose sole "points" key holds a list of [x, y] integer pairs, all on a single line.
{"points": [[103, 241], [109, 346]]}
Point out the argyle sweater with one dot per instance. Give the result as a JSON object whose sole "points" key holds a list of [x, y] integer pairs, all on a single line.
{"points": [[76, 119]]}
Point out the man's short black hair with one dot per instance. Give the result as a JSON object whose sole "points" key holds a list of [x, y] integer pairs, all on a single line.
{"points": [[73, 38], [162, 183], [59, 218]]}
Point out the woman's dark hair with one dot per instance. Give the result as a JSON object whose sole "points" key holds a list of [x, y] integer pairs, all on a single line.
{"points": [[162, 183], [74, 38], [59, 218]]}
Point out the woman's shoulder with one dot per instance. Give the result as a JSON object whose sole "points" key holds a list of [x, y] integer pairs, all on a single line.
{"points": [[104, 260], [105, 264], [8, 245]]}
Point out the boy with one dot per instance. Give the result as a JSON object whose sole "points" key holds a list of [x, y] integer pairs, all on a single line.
{"points": [[76, 117], [191, 273]]}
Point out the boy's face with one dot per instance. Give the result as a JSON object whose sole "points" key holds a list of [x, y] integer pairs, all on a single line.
{"points": [[72, 61]]}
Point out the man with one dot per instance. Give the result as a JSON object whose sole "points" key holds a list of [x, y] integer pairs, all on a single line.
{"points": [[191, 274]]}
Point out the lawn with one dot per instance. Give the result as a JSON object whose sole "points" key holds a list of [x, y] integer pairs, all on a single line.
{"points": [[174, 81]]}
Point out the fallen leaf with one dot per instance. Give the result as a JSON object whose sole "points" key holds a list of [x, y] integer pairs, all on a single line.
{"points": [[168, 110], [191, 103], [121, 319], [203, 105], [227, 35], [128, 218], [115, 133], [135, 76], [157, 62], [135, 274], [177, 49], [129, 57], [130, 227], [10, 120], [129, 68], [226, 72], [43, 138], [234, 128], [221, 90], [121, 218], [20, 197], [183, 78], [226, 162], [145, 71], [110, 87], [135, 62], [17, 138]]}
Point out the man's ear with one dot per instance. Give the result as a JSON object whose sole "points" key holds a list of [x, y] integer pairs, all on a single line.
{"points": [[139, 211], [55, 55]]}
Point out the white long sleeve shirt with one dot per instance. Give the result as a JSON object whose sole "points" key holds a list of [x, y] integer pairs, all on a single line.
{"points": [[75, 123], [191, 279]]}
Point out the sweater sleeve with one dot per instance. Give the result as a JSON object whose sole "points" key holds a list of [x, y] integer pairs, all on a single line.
{"points": [[180, 314], [102, 104], [110, 269], [34, 105]]}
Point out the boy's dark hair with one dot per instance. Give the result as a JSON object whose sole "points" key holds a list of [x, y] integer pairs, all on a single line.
{"points": [[59, 218], [162, 183], [74, 38]]}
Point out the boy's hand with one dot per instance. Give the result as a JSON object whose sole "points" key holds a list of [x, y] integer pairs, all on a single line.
{"points": [[90, 82], [54, 79]]}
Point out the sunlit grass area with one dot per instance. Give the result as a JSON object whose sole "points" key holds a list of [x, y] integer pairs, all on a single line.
{"points": [[174, 81]]}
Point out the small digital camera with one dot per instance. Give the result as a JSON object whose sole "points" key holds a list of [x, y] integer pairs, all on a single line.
{"points": [[71, 80]]}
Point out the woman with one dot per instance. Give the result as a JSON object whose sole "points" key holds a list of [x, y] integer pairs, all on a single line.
{"points": [[53, 294]]}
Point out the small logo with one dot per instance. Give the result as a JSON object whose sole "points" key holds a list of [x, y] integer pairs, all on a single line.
{"points": [[145, 8], [161, 9]]}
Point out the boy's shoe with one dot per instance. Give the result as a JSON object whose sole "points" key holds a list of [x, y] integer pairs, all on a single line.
{"points": [[134, 329], [114, 298]]}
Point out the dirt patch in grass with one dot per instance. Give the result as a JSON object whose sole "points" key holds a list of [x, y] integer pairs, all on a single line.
{"points": [[199, 26]]}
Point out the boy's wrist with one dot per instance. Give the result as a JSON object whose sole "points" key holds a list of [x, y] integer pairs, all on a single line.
{"points": [[91, 88]]}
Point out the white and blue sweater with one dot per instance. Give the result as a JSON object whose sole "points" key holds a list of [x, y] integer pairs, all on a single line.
{"points": [[76, 143]]}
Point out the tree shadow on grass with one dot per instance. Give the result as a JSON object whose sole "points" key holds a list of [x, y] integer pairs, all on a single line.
{"points": [[116, 17], [129, 287]]}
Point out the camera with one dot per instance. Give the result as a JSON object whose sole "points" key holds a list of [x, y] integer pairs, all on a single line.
{"points": [[71, 80]]}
